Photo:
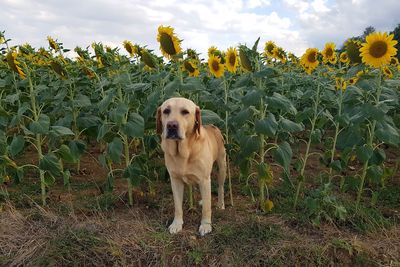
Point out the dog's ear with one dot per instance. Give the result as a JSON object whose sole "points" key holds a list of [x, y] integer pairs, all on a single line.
{"points": [[158, 121], [197, 121]]}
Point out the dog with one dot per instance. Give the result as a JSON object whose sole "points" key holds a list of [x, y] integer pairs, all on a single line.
{"points": [[190, 150]]}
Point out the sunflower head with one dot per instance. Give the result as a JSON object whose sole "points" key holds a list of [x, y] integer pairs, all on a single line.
{"points": [[170, 45], [148, 59], [394, 61], [83, 54], [353, 80], [344, 58], [378, 49], [190, 66], [340, 84], [352, 50], [14, 64], [328, 53], [280, 54], [212, 50], [57, 66], [53, 44], [245, 55], [309, 60], [2, 38], [215, 66], [192, 54], [129, 47], [231, 60], [387, 72], [269, 48], [88, 72], [293, 58]]}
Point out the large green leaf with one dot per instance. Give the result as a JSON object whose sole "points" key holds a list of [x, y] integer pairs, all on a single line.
{"points": [[17, 144], [51, 164], [387, 133], [210, 117], [364, 153], [82, 101], [65, 153], [118, 114], [280, 102], [61, 131], [267, 126], [283, 155], [133, 172], [290, 126], [252, 98], [114, 150], [41, 126], [135, 126]]}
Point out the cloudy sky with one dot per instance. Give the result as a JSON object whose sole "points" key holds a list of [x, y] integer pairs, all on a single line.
{"points": [[293, 24]]}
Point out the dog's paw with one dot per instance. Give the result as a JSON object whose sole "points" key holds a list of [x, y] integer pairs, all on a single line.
{"points": [[205, 228], [175, 227]]}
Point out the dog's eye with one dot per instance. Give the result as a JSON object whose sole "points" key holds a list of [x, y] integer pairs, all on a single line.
{"points": [[184, 112], [167, 111]]}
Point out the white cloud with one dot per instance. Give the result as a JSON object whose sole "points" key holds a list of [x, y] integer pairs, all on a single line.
{"points": [[257, 3]]}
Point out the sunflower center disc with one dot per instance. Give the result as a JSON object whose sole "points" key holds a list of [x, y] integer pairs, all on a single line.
{"points": [[215, 65], [378, 49], [189, 67], [167, 44], [329, 53], [232, 60], [312, 57]]}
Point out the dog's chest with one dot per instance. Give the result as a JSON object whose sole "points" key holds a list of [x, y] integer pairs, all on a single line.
{"points": [[183, 169]]}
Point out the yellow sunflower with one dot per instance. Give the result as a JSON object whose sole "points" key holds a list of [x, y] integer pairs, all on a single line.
{"points": [[191, 53], [353, 51], [340, 84], [53, 44], [212, 50], [269, 48], [191, 67], [344, 58], [309, 60], [388, 73], [280, 54], [361, 73], [231, 60], [14, 64], [130, 48], [170, 45], [378, 49], [394, 61], [293, 58], [88, 72], [2, 40], [328, 53], [353, 80], [215, 66]]}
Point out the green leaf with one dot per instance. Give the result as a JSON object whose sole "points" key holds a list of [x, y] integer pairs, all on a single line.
{"points": [[133, 172], [280, 102], [249, 145], [267, 126], [283, 155], [66, 178], [103, 130], [172, 87], [82, 101], [364, 153], [378, 157], [374, 174], [49, 179], [135, 126], [290, 126], [51, 164], [41, 126], [267, 72], [17, 144], [336, 165], [118, 114], [210, 117], [65, 153], [252, 98], [61, 131], [114, 150], [387, 133], [77, 148], [242, 116]]}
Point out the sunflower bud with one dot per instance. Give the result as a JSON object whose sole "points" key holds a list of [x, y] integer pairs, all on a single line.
{"points": [[53, 44], [14, 64], [148, 59], [244, 55], [353, 51], [58, 68]]}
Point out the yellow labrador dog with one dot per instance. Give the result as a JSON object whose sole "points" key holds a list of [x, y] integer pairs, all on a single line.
{"points": [[190, 150]]}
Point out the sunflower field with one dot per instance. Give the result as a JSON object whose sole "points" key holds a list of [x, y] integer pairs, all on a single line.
{"points": [[325, 126]]}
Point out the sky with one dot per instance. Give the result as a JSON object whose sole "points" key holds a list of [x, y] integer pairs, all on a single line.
{"points": [[294, 25]]}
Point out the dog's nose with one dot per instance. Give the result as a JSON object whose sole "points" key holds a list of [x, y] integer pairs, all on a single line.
{"points": [[172, 125]]}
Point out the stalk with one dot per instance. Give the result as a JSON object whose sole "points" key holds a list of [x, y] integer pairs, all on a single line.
{"points": [[370, 141], [337, 128], [227, 141], [262, 152], [313, 122]]}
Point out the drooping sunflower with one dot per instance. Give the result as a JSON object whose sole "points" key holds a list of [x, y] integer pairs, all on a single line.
{"points": [[387, 72], [170, 45], [378, 49], [231, 60], [280, 54], [53, 44], [353, 51], [191, 67], [14, 64], [130, 48], [88, 72], [269, 48], [215, 66], [148, 59], [245, 58], [83, 54], [394, 61], [328, 53], [57, 66], [309, 60], [344, 58]]}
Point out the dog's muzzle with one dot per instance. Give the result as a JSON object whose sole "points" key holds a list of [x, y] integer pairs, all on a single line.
{"points": [[173, 130]]}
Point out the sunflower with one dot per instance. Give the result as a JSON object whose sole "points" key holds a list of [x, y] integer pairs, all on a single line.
{"points": [[353, 80], [231, 60], [388, 73], [2, 40], [148, 59], [192, 54], [53, 44], [280, 54], [58, 68], [170, 45], [245, 60], [83, 54], [212, 50], [394, 61], [191, 67], [344, 58], [378, 49], [293, 58], [130, 48], [328, 53], [361, 73], [88, 72], [269, 48], [340, 84], [14, 64], [215, 66], [309, 60], [353, 51]]}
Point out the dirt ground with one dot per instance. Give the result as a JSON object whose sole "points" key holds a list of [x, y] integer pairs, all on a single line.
{"points": [[88, 227]]}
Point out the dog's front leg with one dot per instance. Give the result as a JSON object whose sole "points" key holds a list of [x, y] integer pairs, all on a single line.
{"points": [[177, 191], [205, 191]]}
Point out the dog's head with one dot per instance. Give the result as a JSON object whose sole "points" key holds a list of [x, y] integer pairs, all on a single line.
{"points": [[178, 118]]}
